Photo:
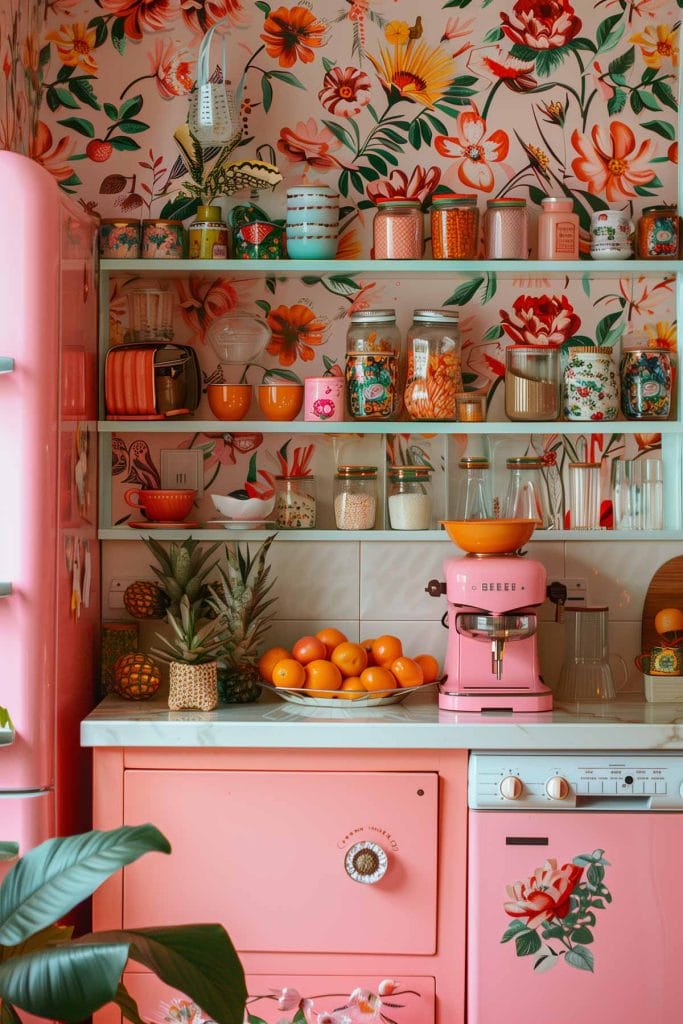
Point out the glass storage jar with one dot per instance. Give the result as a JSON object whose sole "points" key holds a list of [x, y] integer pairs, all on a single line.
{"points": [[398, 230], [505, 229], [646, 380], [591, 384], [295, 504], [433, 374], [410, 498], [558, 230], [526, 496], [355, 497], [657, 235], [473, 500], [373, 349], [532, 382], [454, 226]]}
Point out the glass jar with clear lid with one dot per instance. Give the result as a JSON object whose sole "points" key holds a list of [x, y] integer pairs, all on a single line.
{"points": [[527, 496], [398, 229], [533, 382], [410, 498], [473, 500], [433, 371], [373, 353], [355, 497], [295, 503]]}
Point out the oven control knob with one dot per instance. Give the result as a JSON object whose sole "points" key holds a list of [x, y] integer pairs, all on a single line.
{"points": [[557, 788], [511, 787], [366, 862]]}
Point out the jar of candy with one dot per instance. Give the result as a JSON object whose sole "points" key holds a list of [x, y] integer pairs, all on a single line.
{"points": [[433, 374], [455, 227], [119, 239], [505, 230], [410, 498], [208, 235], [657, 236], [558, 230], [591, 385], [646, 377], [163, 239], [355, 497], [398, 230], [532, 382], [373, 349], [295, 504]]}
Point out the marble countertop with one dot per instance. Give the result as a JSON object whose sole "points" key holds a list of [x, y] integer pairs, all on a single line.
{"points": [[417, 723]]}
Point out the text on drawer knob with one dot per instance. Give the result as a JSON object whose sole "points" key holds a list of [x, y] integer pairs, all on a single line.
{"points": [[366, 862]]}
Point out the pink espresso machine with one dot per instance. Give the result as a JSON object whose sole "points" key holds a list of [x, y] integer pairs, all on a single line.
{"points": [[492, 655]]}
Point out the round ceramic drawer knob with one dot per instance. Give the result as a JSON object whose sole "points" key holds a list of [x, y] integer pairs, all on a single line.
{"points": [[557, 788], [366, 863], [511, 787]]}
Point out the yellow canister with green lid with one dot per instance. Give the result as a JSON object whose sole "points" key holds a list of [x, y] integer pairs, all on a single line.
{"points": [[208, 235]]}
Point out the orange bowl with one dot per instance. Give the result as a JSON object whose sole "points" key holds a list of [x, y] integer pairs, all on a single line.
{"points": [[229, 401], [280, 401], [489, 536]]}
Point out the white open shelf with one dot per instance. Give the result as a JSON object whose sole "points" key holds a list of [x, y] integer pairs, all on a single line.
{"points": [[209, 533], [189, 426]]}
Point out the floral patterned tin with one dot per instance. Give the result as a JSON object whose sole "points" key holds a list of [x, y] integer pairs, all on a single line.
{"points": [[163, 240], [591, 385], [119, 239], [646, 378]]}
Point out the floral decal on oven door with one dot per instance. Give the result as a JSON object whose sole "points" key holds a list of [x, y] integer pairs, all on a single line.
{"points": [[554, 911]]}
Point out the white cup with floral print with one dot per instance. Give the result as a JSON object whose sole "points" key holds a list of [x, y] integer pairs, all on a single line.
{"points": [[611, 235], [591, 385]]}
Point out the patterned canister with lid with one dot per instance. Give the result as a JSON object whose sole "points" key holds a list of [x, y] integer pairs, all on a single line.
{"points": [[591, 384], [373, 348], [398, 229], [505, 229]]}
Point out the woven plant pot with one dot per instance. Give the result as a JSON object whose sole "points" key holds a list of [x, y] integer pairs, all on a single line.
{"points": [[193, 687]]}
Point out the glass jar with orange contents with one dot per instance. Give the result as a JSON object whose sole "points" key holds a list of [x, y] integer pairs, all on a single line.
{"points": [[373, 354], [433, 373], [455, 226]]}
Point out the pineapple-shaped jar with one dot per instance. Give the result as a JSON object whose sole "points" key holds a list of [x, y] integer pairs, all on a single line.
{"points": [[591, 385]]}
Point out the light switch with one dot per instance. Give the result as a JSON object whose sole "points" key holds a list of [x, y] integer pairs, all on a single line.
{"points": [[182, 468]]}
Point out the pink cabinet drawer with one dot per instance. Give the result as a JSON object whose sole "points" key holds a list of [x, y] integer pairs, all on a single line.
{"points": [[265, 853], [412, 1001], [26, 819]]}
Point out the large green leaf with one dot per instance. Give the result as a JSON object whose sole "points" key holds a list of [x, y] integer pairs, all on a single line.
{"points": [[51, 879], [66, 983], [198, 959]]}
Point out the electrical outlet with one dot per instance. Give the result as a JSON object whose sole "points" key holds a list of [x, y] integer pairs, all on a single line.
{"points": [[118, 587], [577, 593]]}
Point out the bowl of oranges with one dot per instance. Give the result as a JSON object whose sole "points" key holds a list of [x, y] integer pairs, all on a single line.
{"points": [[327, 668]]}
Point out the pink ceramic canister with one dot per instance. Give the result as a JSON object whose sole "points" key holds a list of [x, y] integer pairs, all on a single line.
{"points": [[323, 399], [558, 230]]}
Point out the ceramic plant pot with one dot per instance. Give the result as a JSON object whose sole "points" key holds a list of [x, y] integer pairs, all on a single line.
{"points": [[193, 687]]}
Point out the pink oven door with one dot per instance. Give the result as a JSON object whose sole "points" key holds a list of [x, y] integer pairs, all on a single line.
{"points": [[26, 819], [618, 956]]}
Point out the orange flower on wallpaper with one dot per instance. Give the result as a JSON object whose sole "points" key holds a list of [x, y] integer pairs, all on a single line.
{"points": [[202, 300], [142, 15], [349, 246], [295, 330], [200, 15], [50, 157], [75, 45], [290, 34], [657, 45], [612, 167], [662, 334], [306, 143], [416, 70], [473, 150], [172, 68]]}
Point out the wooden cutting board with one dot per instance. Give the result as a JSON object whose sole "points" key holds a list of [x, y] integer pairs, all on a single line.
{"points": [[665, 591]]}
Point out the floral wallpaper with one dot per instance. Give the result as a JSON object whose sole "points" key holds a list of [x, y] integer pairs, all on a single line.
{"points": [[21, 26]]}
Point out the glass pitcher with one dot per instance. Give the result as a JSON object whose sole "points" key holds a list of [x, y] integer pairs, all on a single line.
{"points": [[586, 673]]}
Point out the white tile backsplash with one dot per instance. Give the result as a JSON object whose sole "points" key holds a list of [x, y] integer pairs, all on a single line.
{"points": [[417, 637], [393, 577], [618, 573]]}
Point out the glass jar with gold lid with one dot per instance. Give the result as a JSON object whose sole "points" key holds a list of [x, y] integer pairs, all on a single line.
{"points": [[355, 497]]}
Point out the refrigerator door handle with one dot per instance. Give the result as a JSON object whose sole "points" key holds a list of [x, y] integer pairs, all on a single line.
{"points": [[9, 851], [5, 589], [6, 364]]}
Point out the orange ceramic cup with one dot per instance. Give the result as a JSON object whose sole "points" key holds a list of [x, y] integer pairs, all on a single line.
{"points": [[229, 401], [162, 506], [280, 401]]}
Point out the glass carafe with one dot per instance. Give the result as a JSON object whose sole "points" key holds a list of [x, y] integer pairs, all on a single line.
{"points": [[586, 673]]}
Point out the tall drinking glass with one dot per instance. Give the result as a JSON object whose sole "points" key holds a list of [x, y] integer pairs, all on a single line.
{"points": [[584, 495]]}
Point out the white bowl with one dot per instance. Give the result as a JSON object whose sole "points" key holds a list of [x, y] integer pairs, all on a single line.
{"points": [[243, 508]]}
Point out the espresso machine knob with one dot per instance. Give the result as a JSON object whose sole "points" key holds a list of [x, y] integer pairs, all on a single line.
{"points": [[511, 787], [557, 788]]}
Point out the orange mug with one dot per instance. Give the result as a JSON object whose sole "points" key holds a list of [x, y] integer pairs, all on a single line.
{"points": [[167, 506]]}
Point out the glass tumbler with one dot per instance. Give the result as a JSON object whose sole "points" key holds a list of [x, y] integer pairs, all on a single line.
{"points": [[586, 673], [584, 495], [526, 496], [474, 490], [637, 494]]}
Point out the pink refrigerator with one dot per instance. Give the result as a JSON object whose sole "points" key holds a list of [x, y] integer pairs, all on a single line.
{"points": [[49, 559]]}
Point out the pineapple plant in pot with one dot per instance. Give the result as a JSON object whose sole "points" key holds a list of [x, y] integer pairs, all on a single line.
{"points": [[191, 650]]}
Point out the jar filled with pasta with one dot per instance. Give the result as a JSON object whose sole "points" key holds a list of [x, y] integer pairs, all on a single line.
{"points": [[433, 373], [373, 352]]}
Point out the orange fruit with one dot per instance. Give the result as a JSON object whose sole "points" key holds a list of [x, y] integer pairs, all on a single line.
{"points": [[349, 658], [378, 680], [269, 660], [331, 637], [386, 649], [290, 673], [308, 648], [322, 675], [429, 666], [407, 672], [367, 647], [669, 622], [351, 689]]}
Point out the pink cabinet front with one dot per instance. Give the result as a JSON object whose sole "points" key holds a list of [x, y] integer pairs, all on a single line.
{"points": [[408, 1000], [570, 922], [268, 854], [26, 820]]}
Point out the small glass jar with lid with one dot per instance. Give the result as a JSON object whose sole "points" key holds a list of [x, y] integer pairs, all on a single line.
{"points": [[410, 498], [454, 226], [373, 350], [433, 371], [295, 504], [532, 382], [398, 229], [355, 497], [505, 229], [473, 500], [657, 235], [526, 496]]}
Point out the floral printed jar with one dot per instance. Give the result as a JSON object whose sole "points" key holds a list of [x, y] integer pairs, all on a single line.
{"points": [[591, 385], [163, 240], [646, 375], [373, 349], [323, 399], [120, 239]]}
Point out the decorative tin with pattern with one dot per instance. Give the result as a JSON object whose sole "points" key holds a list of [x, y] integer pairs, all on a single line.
{"points": [[163, 240], [119, 239], [255, 236], [646, 375], [658, 233], [591, 385]]}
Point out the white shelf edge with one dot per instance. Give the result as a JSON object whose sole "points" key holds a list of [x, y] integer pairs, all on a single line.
{"points": [[375, 427], [208, 534]]}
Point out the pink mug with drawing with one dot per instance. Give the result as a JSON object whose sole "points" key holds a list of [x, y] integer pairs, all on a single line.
{"points": [[323, 399]]}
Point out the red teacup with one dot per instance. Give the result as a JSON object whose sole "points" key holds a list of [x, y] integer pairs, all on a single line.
{"points": [[167, 506]]}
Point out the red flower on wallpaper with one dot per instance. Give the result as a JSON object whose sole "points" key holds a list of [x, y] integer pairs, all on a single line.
{"points": [[50, 156], [545, 895], [202, 300], [398, 185], [290, 34], [142, 15], [308, 144], [173, 69], [541, 24], [540, 320], [494, 63], [473, 150], [613, 166], [345, 91], [200, 15], [295, 330]]}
